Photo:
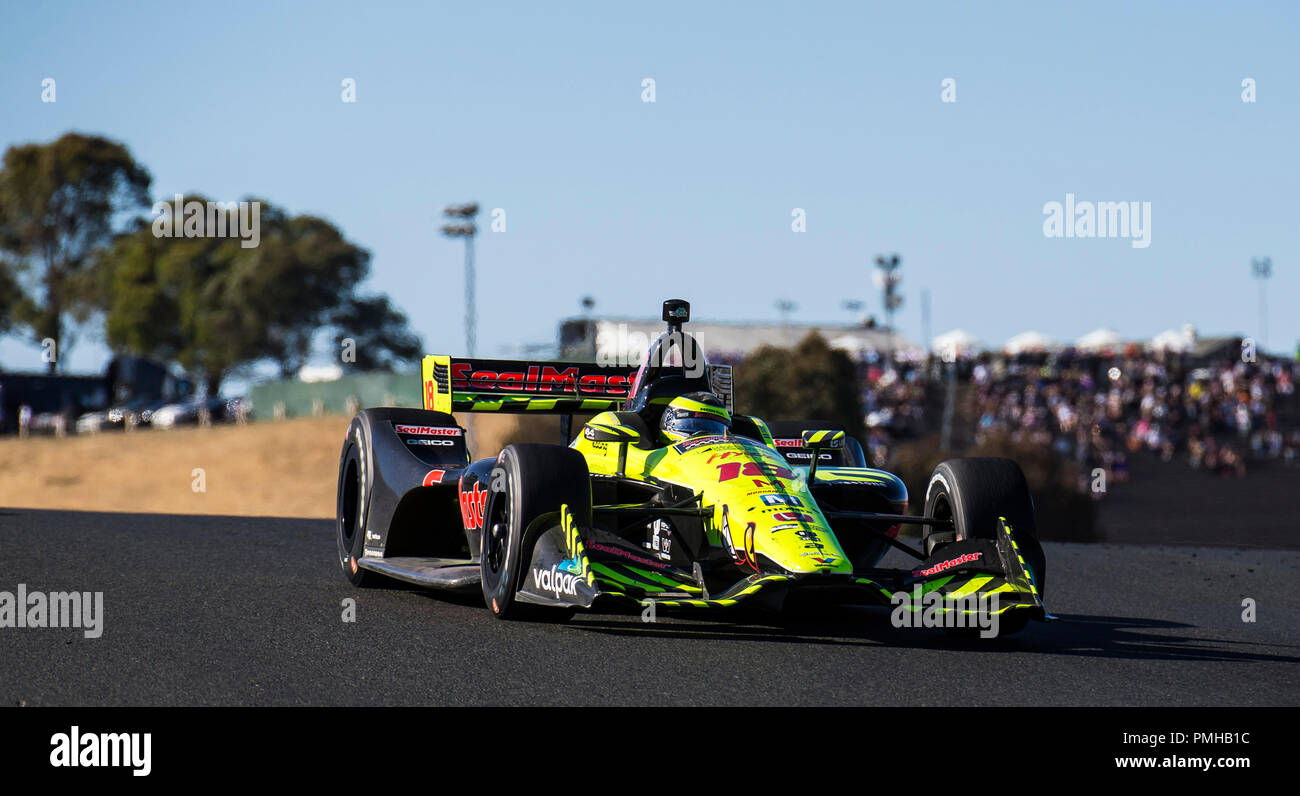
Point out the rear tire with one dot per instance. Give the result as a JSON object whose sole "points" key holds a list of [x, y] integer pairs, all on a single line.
{"points": [[536, 480], [352, 509], [974, 493]]}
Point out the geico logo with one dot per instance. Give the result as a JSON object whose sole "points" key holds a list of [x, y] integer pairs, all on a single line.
{"points": [[428, 431], [555, 581], [430, 442]]}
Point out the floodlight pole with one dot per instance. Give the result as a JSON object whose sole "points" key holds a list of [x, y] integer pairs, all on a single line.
{"points": [[471, 310], [462, 226], [785, 307], [892, 300], [1262, 269]]}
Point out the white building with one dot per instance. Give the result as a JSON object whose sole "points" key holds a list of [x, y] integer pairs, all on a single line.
{"points": [[628, 338]]}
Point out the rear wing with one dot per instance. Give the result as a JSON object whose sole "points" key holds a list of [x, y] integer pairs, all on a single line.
{"points": [[521, 386], [516, 386]]}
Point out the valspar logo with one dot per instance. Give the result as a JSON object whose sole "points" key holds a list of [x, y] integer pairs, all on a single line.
{"points": [[555, 581], [1099, 220], [37, 609], [98, 750]]}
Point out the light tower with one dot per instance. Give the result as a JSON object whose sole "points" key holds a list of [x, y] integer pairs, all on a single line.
{"points": [[1262, 269], [461, 225], [887, 280], [785, 307]]}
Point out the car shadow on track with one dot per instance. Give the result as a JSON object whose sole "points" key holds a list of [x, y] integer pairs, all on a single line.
{"points": [[1108, 637]]}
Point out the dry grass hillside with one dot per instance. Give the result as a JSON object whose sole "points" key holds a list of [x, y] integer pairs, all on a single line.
{"points": [[285, 469]]}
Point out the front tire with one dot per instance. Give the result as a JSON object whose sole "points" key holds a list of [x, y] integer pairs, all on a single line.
{"points": [[974, 493], [534, 480]]}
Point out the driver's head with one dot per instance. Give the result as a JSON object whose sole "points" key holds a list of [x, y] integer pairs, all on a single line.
{"points": [[694, 414]]}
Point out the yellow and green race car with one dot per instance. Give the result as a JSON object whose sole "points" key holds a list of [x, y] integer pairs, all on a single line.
{"points": [[667, 499]]}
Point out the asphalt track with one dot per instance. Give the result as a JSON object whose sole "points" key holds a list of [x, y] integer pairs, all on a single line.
{"points": [[239, 611]]}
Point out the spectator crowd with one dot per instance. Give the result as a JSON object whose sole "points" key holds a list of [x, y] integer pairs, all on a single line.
{"points": [[1099, 410]]}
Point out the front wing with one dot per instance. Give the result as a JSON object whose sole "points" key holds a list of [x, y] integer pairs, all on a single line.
{"points": [[579, 567]]}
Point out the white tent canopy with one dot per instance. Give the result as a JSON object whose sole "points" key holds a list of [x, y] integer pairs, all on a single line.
{"points": [[852, 344], [1029, 341], [1098, 339], [956, 343], [856, 345], [312, 374], [1176, 340]]}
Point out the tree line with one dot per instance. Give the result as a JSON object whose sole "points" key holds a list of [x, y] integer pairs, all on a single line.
{"points": [[80, 247]]}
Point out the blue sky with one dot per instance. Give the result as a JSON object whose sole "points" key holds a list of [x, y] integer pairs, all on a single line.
{"points": [[760, 109]]}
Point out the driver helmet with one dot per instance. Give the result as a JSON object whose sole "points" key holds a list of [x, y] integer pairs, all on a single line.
{"points": [[694, 414]]}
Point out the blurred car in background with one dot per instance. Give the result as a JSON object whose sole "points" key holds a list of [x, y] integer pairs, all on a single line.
{"points": [[137, 411], [220, 410]]}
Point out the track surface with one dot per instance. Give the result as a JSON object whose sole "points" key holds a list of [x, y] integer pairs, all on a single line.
{"points": [[230, 610]]}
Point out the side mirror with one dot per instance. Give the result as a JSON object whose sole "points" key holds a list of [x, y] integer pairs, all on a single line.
{"points": [[817, 440], [616, 433], [605, 432]]}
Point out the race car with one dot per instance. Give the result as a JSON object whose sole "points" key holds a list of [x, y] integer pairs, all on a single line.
{"points": [[666, 498]]}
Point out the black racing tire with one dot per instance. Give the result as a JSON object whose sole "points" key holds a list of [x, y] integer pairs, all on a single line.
{"points": [[974, 493], [353, 506], [537, 480]]}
